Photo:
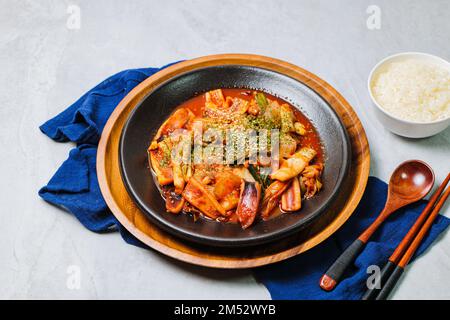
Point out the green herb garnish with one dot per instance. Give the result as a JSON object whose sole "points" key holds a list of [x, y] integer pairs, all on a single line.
{"points": [[262, 179], [261, 100]]}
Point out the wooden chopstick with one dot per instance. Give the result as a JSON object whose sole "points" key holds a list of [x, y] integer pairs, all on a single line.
{"points": [[403, 245], [399, 269]]}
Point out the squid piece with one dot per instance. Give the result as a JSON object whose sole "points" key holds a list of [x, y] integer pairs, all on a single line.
{"points": [[180, 158], [273, 113], [215, 97], [176, 121], [230, 218], [227, 189], [162, 166], [293, 166], [244, 174], [272, 196], [291, 200], [230, 201], [313, 171], [288, 145], [178, 177], [248, 203], [237, 105], [187, 171], [226, 183], [174, 202], [287, 119], [310, 180], [253, 108], [229, 108], [299, 129], [201, 198]]}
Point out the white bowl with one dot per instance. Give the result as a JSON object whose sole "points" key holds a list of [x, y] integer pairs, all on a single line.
{"points": [[397, 125]]}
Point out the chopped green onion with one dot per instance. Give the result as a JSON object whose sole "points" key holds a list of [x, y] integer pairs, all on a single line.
{"points": [[261, 100], [262, 179]]}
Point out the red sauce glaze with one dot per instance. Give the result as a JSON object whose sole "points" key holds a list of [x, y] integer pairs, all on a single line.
{"points": [[310, 139]]}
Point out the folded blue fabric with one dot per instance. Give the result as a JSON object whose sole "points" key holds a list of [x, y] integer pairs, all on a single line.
{"points": [[75, 188], [298, 277]]}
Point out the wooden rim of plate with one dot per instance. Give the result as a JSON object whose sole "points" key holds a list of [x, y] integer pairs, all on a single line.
{"points": [[124, 209]]}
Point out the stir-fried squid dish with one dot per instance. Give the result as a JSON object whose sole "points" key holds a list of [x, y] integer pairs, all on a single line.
{"points": [[235, 155]]}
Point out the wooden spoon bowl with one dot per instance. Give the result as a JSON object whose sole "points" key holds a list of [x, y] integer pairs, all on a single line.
{"points": [[411, 181]]}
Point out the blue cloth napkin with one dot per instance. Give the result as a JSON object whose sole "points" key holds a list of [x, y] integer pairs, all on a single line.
{"points": [[74, 187]]}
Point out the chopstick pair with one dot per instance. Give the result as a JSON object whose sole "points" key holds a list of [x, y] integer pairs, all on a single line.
{"points": [[395, 266]]}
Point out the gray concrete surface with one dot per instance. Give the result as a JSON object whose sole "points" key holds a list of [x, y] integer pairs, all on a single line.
{"points": [[46, 64]]}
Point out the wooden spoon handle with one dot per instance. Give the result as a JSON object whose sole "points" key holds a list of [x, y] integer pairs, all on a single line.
{"points": [[334, 274], [365, 236]]}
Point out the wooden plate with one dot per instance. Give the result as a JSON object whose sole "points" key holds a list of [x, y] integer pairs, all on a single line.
{"points": [[145, 119], [136, 222]]}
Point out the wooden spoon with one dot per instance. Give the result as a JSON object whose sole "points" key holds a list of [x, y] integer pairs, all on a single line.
{"points": [[410, 182]]}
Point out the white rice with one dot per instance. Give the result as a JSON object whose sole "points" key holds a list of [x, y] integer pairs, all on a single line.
{"points": [[414, 90]]}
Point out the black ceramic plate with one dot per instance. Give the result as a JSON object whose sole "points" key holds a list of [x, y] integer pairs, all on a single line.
{"points": [[147, 117]]}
